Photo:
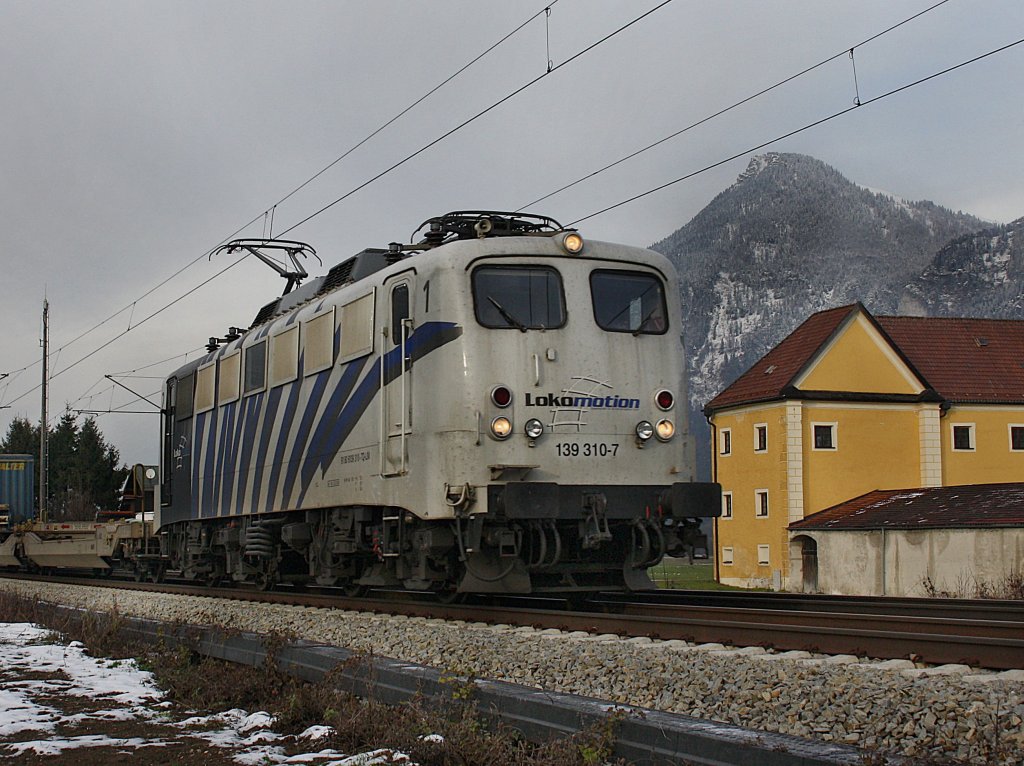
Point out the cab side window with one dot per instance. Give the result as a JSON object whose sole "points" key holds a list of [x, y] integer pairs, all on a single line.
{"points": [[399, 311]]}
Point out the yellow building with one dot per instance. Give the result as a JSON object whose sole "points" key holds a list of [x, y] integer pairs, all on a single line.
{"points": [[850, 403]]}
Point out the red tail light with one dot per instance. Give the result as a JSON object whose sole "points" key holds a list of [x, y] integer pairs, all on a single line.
{"points": [[664, 399], [501, 396]]}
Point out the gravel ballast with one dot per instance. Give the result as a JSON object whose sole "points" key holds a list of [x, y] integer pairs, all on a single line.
{"points": [[945, 714]]}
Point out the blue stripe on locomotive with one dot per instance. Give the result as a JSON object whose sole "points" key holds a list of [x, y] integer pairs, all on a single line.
{"points": [[197, 441], [425, 339], [224, 446], [206, 497], [230, 460], [269, 418], [285, 431], [330, 413], [237, 445], [252, 417]]}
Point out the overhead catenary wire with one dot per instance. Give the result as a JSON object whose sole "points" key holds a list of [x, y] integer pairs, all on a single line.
{"points": [[186, 354], [272, 209], [428, 146], [121, 409], [150, 316], [546, 11], [131, 306], [478, 115], [363, 185], [137, 325], [130, 375], [801, 129], [737, 104]]}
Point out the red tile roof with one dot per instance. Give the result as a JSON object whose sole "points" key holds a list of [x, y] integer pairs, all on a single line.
{"points": [[775, 370], [970, 506], [965, 360], [962, 360]]}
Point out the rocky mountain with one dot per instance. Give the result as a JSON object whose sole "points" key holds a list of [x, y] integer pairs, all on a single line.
{"points": [[980, 274], [792, 236]]}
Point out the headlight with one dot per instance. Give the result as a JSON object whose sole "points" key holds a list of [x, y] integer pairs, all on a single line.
{"points": [[665, 430], [644, 430], [534, 428], [501, 427], [573, 243]]}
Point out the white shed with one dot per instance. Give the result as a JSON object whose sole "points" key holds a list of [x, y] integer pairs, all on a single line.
{"points": [[962, 541]]}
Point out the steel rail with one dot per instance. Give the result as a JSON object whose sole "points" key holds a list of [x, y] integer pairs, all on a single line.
{"points": [[984, 643], [986, 609], [892, 623]]}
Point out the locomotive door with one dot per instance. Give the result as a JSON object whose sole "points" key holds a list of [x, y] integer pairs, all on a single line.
{"points": [[176, 449], [396, 379]]}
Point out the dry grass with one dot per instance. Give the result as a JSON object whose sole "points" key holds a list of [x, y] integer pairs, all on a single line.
{"points": [[967, 585], [198, 683]]}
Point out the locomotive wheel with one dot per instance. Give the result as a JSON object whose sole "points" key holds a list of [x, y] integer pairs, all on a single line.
{"points": [[577, 602], [451, 596], [353, 589]]}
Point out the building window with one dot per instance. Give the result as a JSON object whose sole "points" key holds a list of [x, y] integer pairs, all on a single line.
{"points": [[761, 437], [824, 436], [1017, 438], [727, 505], [761, 503], [725, 442], [727, 556], [763, 555], [963, 436]]}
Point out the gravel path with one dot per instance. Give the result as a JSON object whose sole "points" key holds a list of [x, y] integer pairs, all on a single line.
{"points": [[945, 714]]}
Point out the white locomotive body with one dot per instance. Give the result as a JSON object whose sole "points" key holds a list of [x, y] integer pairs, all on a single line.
{"points": [[503, 410]]}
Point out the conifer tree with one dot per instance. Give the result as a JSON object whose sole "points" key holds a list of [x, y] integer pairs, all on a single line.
{"points": [[83, 468]]}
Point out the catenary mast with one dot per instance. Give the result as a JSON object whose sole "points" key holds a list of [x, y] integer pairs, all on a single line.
{"points": [[43, 447]]}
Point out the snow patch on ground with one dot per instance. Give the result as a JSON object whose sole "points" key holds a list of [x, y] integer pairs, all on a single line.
{"points": [[35, 668]]}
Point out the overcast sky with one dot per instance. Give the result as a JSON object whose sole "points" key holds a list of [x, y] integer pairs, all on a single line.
{"points": [[136, 136]]}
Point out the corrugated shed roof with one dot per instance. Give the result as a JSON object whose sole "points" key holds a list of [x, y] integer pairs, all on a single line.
{"points": [[969, 506], [964, 360], [775, 370]]}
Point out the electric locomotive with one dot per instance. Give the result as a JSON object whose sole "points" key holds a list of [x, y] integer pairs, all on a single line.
{"points": [[499, 407]]}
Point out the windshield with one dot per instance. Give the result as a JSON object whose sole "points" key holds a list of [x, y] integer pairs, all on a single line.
{"points": [[519, 297], [628, 301]]}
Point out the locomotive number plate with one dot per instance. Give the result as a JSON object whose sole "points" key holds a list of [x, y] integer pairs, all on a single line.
{"points": [[587, 449]]}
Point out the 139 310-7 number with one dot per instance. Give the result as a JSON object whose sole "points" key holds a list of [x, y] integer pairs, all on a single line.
{"points": [[587, 449]]}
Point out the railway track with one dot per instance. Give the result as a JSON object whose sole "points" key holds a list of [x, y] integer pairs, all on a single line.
{"points": [[975, 633], [989, 609]]}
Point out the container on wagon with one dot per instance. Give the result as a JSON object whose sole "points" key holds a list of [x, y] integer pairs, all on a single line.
{"points": [[17, 488]]}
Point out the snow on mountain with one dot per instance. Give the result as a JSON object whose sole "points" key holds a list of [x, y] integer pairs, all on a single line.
{"points": [[790, 237], [980, 274]]}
